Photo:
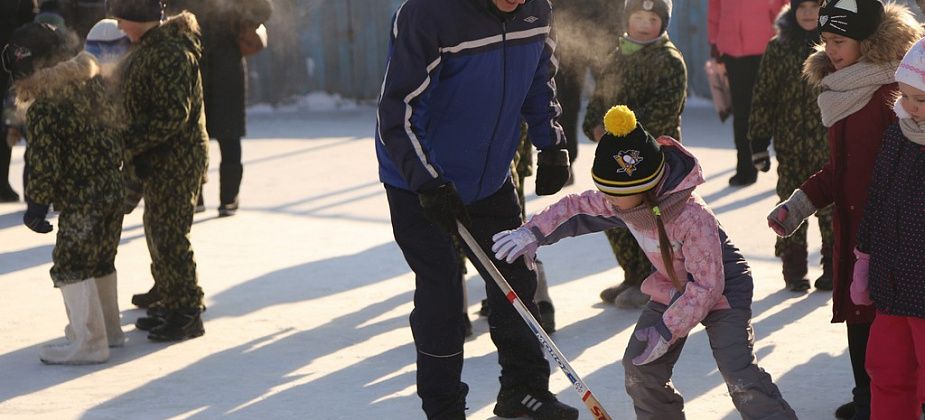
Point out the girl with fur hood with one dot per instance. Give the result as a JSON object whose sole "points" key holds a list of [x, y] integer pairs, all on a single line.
{"points": [[647, 186], [72, 160], [863, 42], [784, 108]]}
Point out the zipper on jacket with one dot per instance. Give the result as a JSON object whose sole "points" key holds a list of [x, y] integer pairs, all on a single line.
{"points": [[494, 131]]}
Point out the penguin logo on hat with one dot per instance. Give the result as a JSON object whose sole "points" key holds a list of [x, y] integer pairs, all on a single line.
{"points": [[628, 160], [648, 5]]}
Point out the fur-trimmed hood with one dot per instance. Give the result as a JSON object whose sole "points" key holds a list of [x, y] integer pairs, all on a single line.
{"points": [[182, 26], [54, 80], [897, 32]]}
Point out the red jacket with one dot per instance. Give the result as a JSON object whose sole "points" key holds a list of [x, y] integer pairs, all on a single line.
{"points": [[741, 28], [853, 146]]}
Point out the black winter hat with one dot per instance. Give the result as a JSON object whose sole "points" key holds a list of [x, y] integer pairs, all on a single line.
{"points": [[855, 19], [34, 46], [628, 160], [795, 4], [137, 10], [662, 8]]}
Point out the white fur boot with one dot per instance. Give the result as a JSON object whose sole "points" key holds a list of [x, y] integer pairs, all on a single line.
{"points": [[109, 302], [89, 345]]}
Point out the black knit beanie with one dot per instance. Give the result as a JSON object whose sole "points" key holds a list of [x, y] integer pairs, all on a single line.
{"points": [[628, 160], [136, 10], [855, 19], [662, 8], [34, 46]]}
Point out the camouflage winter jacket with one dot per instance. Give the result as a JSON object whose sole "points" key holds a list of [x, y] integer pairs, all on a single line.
{"points": [[162, 95], [784, 103], [651, 81], [73, 156]]}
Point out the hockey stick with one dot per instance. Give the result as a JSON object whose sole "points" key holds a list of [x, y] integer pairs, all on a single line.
{"points": [[586, 396]]}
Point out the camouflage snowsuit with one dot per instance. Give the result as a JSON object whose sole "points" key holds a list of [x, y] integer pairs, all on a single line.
{"points": [[166, 137], [653, 83], [784, 107], [73, 160]]}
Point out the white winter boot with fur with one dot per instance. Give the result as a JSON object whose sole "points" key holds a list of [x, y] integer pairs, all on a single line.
{"points": [[109, 302], [85, 314]]}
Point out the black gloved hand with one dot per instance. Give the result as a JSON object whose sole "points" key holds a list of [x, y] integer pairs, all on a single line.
{"points": [[762, 160], [714, 52], [551, 171], [443, 207], [34, 218]]}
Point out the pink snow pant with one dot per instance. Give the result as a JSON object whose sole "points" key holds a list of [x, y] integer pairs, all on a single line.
{"points": [[896, 365]]}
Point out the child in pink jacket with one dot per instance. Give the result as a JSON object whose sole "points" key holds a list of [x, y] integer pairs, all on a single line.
{"points": [[647, 185]]}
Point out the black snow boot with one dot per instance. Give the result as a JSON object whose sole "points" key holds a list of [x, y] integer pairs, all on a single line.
{"points": [[229, 184], [179, 324], [538, 405], [547, 316], [145, 300], [794, 268], [824, 282], [155, 318], [845, 411]]}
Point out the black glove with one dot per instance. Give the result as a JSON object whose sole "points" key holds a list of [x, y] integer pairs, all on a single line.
{"points": [[551, 171], [443, 207], [34, 218], [714, 53], [762, 160]]}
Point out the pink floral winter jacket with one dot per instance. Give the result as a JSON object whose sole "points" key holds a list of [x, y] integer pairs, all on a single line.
{"points": [[717, 275]]}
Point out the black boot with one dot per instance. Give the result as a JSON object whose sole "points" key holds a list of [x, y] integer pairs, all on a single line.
{"points": [[145, 300], [155, 318], [794, 268], [179, 324], [229, 181], [824, 282], [539, 405], [547, 316], [845, 411]]}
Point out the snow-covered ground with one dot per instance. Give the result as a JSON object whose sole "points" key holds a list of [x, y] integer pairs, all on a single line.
{"points": [[308, 299]]}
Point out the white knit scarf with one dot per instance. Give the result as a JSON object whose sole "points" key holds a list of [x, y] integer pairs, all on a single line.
{"points": [[846, 91], [912, 129]]}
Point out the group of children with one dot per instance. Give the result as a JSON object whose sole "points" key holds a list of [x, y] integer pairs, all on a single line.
{"points": [[85, 119], [872, 239], [830, 75]]}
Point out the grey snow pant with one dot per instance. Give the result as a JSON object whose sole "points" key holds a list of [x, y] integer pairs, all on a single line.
{"points": [[732, 340]]}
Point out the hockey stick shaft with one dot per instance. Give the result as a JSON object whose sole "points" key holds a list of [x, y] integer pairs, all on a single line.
{"points": [[597, 410]]}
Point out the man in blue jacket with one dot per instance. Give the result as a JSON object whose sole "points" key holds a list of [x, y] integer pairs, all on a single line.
{"points": [[461, 76]]}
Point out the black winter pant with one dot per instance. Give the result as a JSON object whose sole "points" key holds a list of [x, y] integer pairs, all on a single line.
{"points": [[436, 321], [230, 170], [743, 73]]}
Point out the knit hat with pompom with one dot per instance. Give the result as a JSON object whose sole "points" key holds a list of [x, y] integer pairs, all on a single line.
{"points": [[628, 160]]}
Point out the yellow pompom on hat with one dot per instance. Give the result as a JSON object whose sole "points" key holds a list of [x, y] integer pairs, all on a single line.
{"points": [[628, 160]]}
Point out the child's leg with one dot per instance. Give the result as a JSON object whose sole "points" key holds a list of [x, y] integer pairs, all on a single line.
{"points": [[891, 363], [858, 335], [654, 397], [751, 388]]}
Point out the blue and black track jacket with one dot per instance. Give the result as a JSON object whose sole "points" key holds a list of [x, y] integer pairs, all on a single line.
{"points": [[460, 78]]}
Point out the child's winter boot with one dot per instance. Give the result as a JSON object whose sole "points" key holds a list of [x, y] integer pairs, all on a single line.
{"points": [[82, 302]]}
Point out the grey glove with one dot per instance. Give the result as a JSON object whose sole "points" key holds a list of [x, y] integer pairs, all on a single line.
{"points": [[789, 215]]}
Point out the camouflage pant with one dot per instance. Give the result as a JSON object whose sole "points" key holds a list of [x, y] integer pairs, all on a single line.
{"points": [[86, 243], [635, 264], [170, 199], [790, 175]]}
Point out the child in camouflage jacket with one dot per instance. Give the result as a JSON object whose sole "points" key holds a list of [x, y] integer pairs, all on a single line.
{"points": [[784, 108], [72, 160], [647, 73]]}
